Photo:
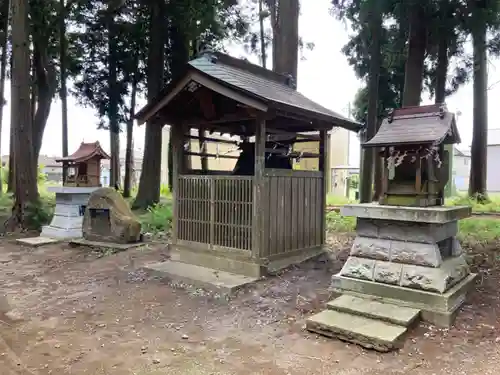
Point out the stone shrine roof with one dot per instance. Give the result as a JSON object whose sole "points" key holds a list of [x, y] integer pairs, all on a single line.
{"points": [[85, 152], [430, 124]]}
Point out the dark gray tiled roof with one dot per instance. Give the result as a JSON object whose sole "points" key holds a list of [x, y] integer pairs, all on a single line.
{"points": [[263, 85], [416, 128]]}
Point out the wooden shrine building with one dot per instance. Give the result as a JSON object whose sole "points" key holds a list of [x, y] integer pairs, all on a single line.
{"points": [[416, 164], [84, 165], [263, 215]]}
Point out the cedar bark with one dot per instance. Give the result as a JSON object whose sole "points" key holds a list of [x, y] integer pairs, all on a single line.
{"points": [[287, 38], [477, 182], [63, 92], [129, 157], [374, 18], [414, 69], [113, 94], [3, 68], [149, 183], [26, 189]]}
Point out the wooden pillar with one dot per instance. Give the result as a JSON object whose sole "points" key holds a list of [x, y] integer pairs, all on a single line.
{"points": [[203, 149], [324, 167], [258, 188], [177, 139]]}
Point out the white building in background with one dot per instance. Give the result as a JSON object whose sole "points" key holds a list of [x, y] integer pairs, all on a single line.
{"points": [[493, 160], [461, 169]]}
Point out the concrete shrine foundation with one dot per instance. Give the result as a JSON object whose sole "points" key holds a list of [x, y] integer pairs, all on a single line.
{"points": [[68, 214], [402, 257]]}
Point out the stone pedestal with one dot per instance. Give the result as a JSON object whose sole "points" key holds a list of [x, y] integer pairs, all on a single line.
{"points": [[408, 256], [68, 214]]}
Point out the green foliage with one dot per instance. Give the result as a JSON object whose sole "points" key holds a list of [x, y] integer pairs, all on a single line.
{"points": [[337, 223], [158, 218]]}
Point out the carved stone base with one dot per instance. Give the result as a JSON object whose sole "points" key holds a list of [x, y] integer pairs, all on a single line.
{"points": [[408, 248]]}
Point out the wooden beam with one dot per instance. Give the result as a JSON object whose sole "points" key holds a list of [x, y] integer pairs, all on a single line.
{"points": [[232, 118], [206, 155], [163, 102], [258, 206], [215, 140]]}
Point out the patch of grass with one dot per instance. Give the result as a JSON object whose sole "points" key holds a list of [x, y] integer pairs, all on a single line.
{"points": [[335, 222], [336, 200], [462, 200], [157, 218], [481, 230]]}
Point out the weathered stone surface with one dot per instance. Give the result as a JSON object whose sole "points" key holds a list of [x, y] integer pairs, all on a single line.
{"points": [[358, 268], [436, 308], [373, 248], [415, 253], [438, 280], [436, 215], [373, 309], [119, 224], [456, 249], [369, 333], [451, 271], [397, 251], [387, 273]]}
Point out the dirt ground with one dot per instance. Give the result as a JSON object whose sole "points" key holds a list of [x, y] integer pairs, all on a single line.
{"points": [[84, 313]]}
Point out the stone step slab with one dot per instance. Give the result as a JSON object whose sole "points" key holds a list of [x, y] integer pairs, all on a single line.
{"points": [[373, 309], [368, 333]]}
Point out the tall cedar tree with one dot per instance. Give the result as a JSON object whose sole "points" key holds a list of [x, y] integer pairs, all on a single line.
{"points": [[26, 189]]}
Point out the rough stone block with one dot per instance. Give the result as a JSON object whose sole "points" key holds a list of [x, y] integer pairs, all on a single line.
{"points": [[416, 253], [452, 271], [373, 309], [387, 273], [438, 280], [436, 308], [358, 268], [456, 248], [405, 230], [372, 248], [369, 333]]}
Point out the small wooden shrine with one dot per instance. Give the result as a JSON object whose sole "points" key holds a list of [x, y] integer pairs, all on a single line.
{"points": [[263, 215], [416, 165], [84, 165]]}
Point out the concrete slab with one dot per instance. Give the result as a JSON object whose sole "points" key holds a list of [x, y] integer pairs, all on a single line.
{"points": [[370, 308], [106, 245], [201, 277], [369, 333], [438, 214], [37, 241]]}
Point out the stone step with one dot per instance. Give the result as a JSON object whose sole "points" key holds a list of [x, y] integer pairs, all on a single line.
{"points": [[201, 277], [369, 333], [370, 308]]}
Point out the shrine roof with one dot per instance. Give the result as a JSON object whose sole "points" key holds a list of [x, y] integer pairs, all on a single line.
{"points": [[85, 152], [430, 124], [267, 89]]}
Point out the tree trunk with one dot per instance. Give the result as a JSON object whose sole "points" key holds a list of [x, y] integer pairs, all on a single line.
{"points": [[3, 61], [442, 69], [113, 95], [129, 158], [45, 89], [287, 39], [414, 69], [374, 20], [477, 182], [149, 184], [63, 93], [262, 36], [26, 189]]}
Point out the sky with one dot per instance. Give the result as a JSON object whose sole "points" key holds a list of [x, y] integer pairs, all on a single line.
{"points": [[324, 76]]}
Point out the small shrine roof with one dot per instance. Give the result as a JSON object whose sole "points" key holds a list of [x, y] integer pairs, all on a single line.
{"points": [[430, 124], [85, 152]]}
